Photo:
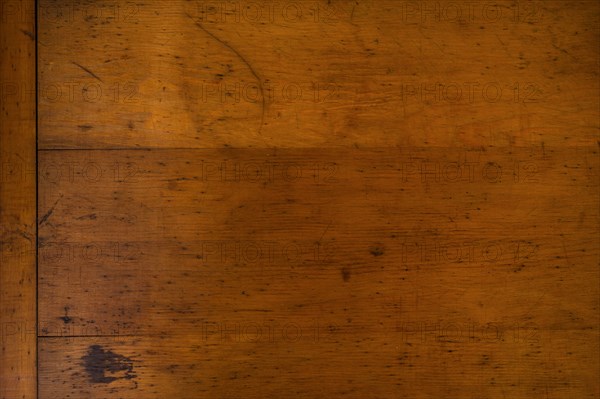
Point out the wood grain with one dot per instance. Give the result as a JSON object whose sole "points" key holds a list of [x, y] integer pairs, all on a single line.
{"points": [[362, 199], [17, 202]]}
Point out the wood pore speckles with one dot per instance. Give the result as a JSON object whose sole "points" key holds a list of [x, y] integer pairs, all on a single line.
{"points": [[318, 199]]}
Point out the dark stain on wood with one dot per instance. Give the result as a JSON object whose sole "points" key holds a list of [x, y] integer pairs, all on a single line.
{"points": [[66, 319], [104, 366], [346, 274], [376, 251]]}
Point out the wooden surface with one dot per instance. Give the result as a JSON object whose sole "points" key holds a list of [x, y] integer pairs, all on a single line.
{"points": [[375, 199], [17, 201], [196, 74], [354, 266]]}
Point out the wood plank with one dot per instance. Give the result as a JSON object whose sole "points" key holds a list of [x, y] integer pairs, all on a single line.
{"points": [[209, 74], [17, 200], [406, 263], [385, 365]]}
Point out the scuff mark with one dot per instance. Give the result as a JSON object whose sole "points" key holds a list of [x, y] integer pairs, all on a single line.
{"points": [[85, 128], [567, 260], [27, 33], [87, 70], [91, 216], [352, 12], [104, 366], [241, 57], [500, 40]]}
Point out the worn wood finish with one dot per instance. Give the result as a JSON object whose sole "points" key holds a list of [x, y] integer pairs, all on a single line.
{"points": [[322, 258], [367, 73], [17, 201], [208, 230]]}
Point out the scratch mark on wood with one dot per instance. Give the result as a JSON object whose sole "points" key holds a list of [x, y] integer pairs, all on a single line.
{"points": [[87, 70], [49, 213], [352, 12], [325, 232], [241, 57], [25, 235]]}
